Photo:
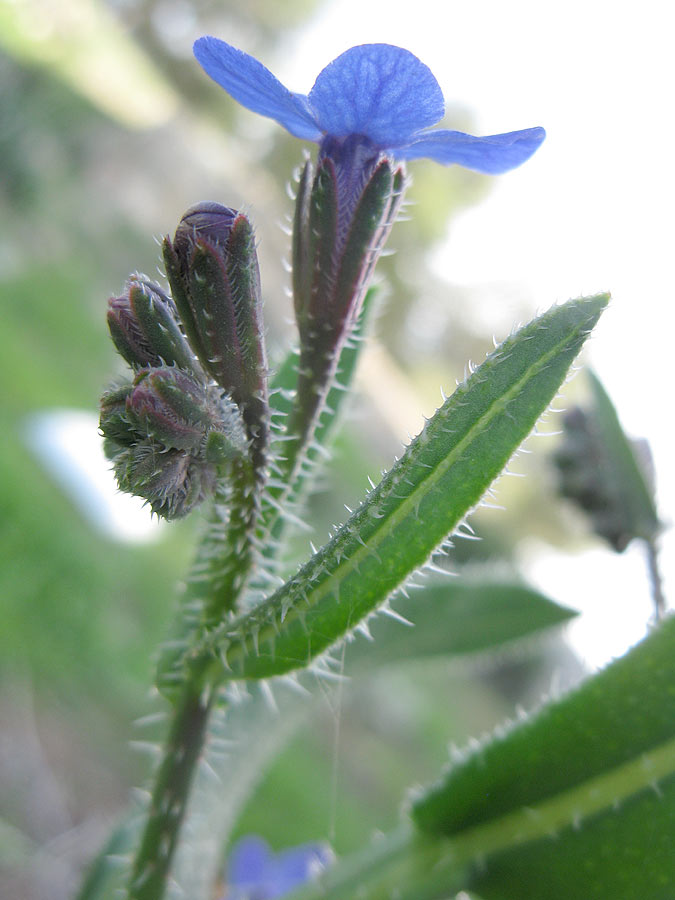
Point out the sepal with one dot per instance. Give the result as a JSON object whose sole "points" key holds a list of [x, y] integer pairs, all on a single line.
{"points": [[171, 481], [344, 212]]}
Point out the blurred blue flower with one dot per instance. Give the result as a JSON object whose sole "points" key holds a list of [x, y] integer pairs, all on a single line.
{"points": [[255, 873], [381, 93]]}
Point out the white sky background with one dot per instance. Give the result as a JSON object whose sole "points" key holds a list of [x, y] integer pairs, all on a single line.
{"points": [[592, 211]]}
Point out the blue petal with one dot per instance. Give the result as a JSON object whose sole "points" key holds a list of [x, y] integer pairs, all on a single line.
{"points": [[297, 865], [376, 90], [492, 155], [250, 862], [254, 86]]}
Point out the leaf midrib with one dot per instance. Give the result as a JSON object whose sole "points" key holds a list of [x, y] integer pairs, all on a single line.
{"points": [[315, 594]]}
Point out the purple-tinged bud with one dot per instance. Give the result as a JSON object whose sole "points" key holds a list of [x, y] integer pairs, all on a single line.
{"points": [[212, 268], [144, 326], [170, 406], [344, 212], [114, 422], [171, 437]]}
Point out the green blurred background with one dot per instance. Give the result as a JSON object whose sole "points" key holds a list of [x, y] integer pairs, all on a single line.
{"points": [[108, 131]]}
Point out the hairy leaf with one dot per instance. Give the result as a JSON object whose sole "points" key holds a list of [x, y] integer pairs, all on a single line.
{"points": [[615, 719], [442, 475], [579, 801]]}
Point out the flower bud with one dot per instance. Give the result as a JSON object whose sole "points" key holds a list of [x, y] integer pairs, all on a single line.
{"points": [[114, 422], [171, 481], [144, 326], [212, 268], [170, 406], [169, 435], [343, 215]]}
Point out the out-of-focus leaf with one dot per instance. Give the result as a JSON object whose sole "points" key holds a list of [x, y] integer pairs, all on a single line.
{"points": [[455, 617], [84, 45], [444, 473], [109, 870]]}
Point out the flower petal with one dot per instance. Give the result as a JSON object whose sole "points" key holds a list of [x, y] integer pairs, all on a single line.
{"points": [[250, 862], [297, 865], [492, 155], [376, 90], [251, 84]]}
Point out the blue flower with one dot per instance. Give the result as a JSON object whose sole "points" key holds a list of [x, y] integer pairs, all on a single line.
{"points": [[255, 873], [382, 93]]}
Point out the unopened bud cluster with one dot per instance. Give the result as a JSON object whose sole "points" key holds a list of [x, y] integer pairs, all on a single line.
{"points": [[198, 396]]}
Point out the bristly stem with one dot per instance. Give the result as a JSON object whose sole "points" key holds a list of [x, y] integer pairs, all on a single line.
{"points": [[232, 559], [170, 796], [297, 455], [224, 563]]}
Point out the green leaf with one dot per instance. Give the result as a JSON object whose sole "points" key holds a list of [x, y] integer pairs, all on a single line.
{"points": [[624, 854], [613, 721], [579, 801], [442, 475], [456, 617]]}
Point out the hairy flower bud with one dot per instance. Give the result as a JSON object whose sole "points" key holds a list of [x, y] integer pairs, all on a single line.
{"points": [[170, 406], [170, 480], [212, 268], [169, 435], [114, 423], [144, 326], [343, 214]]}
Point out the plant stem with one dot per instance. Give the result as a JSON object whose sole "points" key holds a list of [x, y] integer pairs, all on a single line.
{"points": [[170, 795], [655, 580], [232, 559], [223, 563]]}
